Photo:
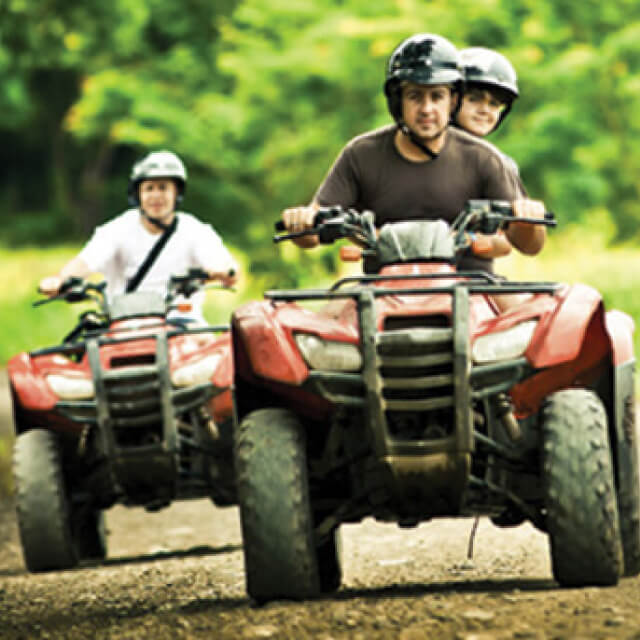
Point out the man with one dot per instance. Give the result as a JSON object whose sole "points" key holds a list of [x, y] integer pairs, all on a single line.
{"points": [[118, 248], [420, 168]]}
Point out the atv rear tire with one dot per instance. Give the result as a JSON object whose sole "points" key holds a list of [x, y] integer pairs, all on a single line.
{"points": [[281, 559], [90, 534], [41, 502], [580, 498]]}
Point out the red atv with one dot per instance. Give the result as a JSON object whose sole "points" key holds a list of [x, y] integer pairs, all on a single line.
{"points": [[132, 408], [409, 396]]}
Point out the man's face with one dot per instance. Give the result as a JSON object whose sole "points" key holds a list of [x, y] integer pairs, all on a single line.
{"points": [[479, 112], [426, 109], [158, 197]]}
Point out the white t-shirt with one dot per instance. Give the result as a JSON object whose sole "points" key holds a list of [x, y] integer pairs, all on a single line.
{"points": [[118, 248]]}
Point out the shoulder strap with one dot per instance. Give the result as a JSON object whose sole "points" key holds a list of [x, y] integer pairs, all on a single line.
{"points": [[133, 283]]}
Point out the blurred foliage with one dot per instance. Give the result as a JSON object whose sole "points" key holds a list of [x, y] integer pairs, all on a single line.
{"points": [[259, 96]]}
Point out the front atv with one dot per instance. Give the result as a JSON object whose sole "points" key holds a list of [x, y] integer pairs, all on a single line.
{"points": [[133, 408], [410, 397]]}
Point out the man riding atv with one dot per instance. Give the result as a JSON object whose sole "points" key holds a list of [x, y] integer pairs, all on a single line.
{"points": [[421, 168]]}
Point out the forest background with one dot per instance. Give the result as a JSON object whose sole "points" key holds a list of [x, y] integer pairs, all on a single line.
{"points": [[258, 97]]}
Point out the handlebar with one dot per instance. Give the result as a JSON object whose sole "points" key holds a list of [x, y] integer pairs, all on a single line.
{"points": [[187, 284], [488, 216], [75, 289], [333, 223]]}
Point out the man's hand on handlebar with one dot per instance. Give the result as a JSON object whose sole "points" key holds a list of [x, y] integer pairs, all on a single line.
{"points": [[527, 238], [297, 219], [526, 208]]}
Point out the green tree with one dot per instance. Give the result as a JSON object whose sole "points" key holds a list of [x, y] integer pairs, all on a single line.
{"points": [[84, 86]]}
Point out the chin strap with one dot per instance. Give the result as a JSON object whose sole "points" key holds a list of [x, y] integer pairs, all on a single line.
{"points": [[416, 141], [160, 225]]}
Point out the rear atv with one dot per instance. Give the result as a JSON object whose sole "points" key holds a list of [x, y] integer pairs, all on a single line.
{"points": [[133, 408]]}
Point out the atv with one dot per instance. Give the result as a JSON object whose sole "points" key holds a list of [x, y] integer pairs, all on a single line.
{"points": [[410, 396], [133, 408]]}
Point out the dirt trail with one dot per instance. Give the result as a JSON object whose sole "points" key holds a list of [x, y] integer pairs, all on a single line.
{"points": [[179, 574]]}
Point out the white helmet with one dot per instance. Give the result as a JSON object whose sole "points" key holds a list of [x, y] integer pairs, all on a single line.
{"points": [[157, 164]]}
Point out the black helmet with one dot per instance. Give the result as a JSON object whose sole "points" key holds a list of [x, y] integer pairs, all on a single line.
{"points": [[425, 58], [157, 164], [489, 69]]}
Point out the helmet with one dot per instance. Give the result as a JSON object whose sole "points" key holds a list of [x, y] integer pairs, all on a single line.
{"points": [[487, 67], [157, 164], [424, 58]]}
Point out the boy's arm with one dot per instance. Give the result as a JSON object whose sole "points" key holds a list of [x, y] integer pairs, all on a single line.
{"points": [[50, 286]]}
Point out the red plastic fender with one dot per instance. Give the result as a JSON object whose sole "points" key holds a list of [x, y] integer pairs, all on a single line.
{"points": [[620, 328], [31, 389], [566, 329], [270, 351]]}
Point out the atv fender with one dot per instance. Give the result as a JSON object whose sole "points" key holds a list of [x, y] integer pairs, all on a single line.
{"points": [[30, 388], [270, 349], [620, 328], [567, 328]]}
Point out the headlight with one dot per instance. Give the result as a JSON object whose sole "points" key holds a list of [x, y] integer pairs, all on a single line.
{"points": [[196, 372], [328, 355], [71, 388], [504, 345]]}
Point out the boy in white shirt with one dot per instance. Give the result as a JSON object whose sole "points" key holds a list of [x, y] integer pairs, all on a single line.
{"points": [[118, 248]]}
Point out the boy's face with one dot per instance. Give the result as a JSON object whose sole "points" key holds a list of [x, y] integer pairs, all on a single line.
{"points": [[426, 109], [158, 197], [479, 112]]}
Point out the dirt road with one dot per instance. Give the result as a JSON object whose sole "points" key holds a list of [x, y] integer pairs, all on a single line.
{"points": [[179, 574]]}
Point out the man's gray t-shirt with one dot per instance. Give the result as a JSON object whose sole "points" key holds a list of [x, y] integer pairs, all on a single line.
{"points": [[370, 173]]}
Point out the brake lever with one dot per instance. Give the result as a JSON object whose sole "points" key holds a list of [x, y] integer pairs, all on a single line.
{"points": [[549, 220], [297, 234]]}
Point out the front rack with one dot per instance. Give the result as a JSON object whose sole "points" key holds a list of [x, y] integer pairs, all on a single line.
{"points": [[467, 279], [366, 388]]}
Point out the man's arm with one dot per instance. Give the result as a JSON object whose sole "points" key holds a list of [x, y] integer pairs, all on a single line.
{"points": [[504, 178], [527, 238]]}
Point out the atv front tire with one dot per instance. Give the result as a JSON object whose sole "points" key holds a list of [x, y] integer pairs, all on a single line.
{"points": [[281, 558], [41, 502], [628, 475], [580, 498]]}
